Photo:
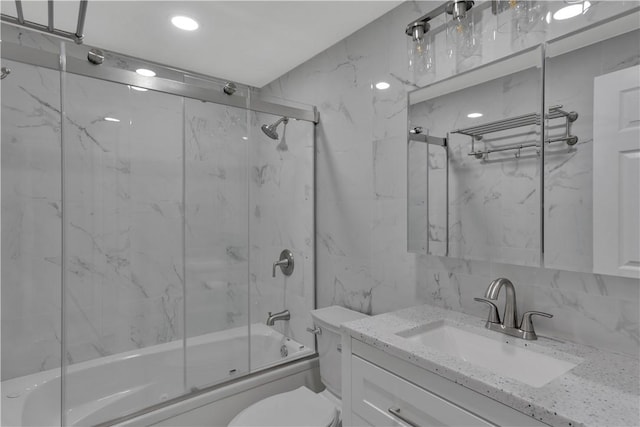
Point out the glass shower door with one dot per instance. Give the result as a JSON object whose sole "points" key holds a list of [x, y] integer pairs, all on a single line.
{"points": [[124, 255], [216, 243], [281, 207], [134, 223], [31, 238]]}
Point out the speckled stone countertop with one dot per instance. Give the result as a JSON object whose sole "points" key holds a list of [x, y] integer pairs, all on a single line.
{"points": [[602, 390]]}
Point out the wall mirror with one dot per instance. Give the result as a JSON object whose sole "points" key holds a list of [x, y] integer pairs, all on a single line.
{"points": [[489, 180]]}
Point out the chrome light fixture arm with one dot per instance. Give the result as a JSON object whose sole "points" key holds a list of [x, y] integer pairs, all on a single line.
{"points": [[456, 8]]}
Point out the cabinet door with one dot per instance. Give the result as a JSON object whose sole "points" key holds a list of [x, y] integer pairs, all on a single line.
{"points": [[377, 394], [616, 173]]}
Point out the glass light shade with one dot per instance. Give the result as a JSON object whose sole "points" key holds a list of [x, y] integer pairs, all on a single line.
{"points": [[462, 39], [527, 14], [421, 56]]}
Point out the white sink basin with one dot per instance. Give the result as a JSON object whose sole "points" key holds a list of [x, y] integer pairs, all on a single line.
{"points": [[504, 359]]}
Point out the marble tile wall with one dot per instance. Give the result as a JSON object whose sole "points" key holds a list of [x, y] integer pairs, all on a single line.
{"points": [[362, 258]]}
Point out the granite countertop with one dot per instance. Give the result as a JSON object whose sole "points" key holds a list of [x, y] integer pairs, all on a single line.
{"points": [[602, 390]]}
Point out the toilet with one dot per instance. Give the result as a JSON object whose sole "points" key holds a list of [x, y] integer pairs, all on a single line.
{"points": [[303, 407]]}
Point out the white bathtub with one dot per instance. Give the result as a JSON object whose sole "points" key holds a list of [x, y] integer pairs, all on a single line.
{"points": [[110, 387]]}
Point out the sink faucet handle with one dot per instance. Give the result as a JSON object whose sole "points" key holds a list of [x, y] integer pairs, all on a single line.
{"points": [[494, 316], [527, 324]]}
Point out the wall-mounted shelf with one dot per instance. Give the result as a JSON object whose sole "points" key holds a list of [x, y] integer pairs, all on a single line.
{"points": [[477, 132]]}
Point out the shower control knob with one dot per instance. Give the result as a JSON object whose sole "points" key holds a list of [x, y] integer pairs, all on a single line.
{"points": [[285, 263]]}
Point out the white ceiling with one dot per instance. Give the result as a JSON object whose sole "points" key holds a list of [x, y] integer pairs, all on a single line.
{"points": [[250, 42]]}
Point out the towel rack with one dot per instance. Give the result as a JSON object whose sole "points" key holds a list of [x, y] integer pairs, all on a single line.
{"points": [[555, 112], [19, 20]]}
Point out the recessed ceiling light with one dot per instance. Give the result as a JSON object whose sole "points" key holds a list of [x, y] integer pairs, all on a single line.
{"points": [[382, 85], [474, 115], [245, 138], [184, 23], [111, 119], [145, 72], [139, 89], [572, 10]]}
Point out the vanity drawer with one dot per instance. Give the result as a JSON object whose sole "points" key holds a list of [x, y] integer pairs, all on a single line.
{"points": [[376, 392]]}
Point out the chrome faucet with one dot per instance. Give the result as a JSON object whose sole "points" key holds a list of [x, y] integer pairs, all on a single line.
{"points": [[509, 324], [283, 315], [510, 316]]}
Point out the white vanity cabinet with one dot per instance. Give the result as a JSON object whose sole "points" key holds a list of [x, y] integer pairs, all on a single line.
{"points": [[382, 390]]}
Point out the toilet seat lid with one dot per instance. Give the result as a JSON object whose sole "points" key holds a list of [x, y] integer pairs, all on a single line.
{"points": [[300, 407]]}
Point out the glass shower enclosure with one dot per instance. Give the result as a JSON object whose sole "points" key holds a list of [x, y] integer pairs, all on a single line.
{"points": [[140, 220]]}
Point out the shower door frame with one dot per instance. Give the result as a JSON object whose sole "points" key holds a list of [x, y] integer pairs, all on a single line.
{"points": [[44, 59]]}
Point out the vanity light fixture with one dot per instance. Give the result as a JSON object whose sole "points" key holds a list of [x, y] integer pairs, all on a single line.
{"points": [[111, 119], [456, 8], [382, 85], [185, 23], [421, 56], [574, 8], [474, 115], [145, 72]]}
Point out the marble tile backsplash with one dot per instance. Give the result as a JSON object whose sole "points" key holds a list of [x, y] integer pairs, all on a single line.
{"points": [[361, 225]]}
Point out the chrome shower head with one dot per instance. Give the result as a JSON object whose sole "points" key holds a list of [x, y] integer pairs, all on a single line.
{"points": [[270, 130]]}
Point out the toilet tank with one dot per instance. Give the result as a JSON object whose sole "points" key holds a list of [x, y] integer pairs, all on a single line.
{"points": [[329, 320]]}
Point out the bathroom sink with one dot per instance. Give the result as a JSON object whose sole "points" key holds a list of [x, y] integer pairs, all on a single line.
{"points": [[502, 358]]}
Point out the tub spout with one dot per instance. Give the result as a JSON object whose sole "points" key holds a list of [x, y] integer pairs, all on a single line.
{"points": [[283, 315]]}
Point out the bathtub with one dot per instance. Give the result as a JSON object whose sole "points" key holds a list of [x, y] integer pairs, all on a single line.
{"points": [[107, 388]]}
